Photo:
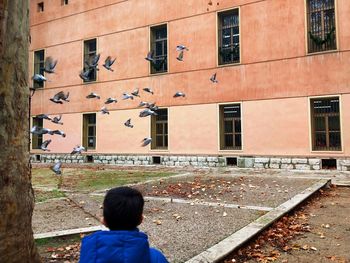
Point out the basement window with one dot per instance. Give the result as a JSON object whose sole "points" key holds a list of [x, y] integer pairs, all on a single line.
{"points": [[38, 157], [231, 161], [89, 159], [41, 7], [329, 164], [156, 159]]}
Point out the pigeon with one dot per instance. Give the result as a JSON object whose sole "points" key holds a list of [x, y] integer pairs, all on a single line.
{"points": [[143, 104], [58, 132], [181, 48], [57, 168], [127, 96], [108, 63], [180, 57], [45, 144], [111, 100], [135, 93], [179, 94], [50, 65], [149, 90], [57, 120], [213, 78], [153, 108], [128, 124], [39, 78], [150, 56], [104, 110], [39, 131], [93, 63], [78, 149], [147, 112], [93, 95], [146, 141], [58, 97], [84, 74], [44, 116]]}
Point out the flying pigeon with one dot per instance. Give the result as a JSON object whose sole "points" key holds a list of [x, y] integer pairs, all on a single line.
{"points": [[104, 110], [108, 63], [50, 65], [57, 120], [213, 78], [44, 116], [78, 149], [127, 96], [111, 100], [146, 141], [150, 56], [39, 78], [181, 48], [180, 57], [135, 93], [84, 74], [58, 97], [93, 95], [45, 144], [57, 168], [93, 63], [58, 132], [147, 112], [143, 103], [179, 94], [128, 124], [149, 90], [39, 131]]}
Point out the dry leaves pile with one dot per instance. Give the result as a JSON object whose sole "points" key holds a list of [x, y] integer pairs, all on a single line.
{"points": [[68, 253]]}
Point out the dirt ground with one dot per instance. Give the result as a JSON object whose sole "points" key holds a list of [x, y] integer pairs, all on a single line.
{"points": [[317, 232]]}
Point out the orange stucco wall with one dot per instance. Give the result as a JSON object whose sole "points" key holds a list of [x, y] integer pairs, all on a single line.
{"points": [[273, 80]]}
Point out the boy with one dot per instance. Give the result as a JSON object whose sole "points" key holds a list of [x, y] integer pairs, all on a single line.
{"points": [[124, 243]]}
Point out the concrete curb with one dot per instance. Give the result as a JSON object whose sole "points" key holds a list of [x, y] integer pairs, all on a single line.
{"points": [[70, 232], [229, 244]]}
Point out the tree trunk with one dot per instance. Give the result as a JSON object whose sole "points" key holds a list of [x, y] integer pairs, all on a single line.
{"points": [[16, 192]]}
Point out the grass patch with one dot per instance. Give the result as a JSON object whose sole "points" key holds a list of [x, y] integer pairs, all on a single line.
{"points": [[41, 196], [54, 242]]}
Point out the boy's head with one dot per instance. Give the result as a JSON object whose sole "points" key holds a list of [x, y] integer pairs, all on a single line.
{"points": [[122, 208]]}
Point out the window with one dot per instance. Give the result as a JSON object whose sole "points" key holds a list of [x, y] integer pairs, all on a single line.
{"points": [[37, 140], [159, 125], [89, 131], [41, 7], [228, 25], [39, 64], [321, 25], [159, 45], [90, 50], [230, 127], [64, 2], [325, 124]]}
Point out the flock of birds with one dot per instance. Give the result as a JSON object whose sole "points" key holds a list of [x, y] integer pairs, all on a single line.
{"points": [[91, 66]]}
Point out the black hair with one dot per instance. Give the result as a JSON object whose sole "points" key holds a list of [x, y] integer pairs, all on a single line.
{"points": [[122, 208]]}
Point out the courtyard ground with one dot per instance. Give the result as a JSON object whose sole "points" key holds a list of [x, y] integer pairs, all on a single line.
{"points": [[186, 212]]}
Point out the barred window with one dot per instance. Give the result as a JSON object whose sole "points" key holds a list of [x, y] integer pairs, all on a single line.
{"points": [[37, 140], [230, 127], [159, 45], [321, 25], [39, 64], [159, 129], [325, 124], [89, 131], [90, 50], [228, 36]]}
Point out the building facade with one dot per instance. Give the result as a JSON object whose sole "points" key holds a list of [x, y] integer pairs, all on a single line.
{"points": [[280, 99]]}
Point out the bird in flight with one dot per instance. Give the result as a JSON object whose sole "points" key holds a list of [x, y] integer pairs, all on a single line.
{"points": [[57, 168], [78, 149], [128, 124], [108, 63], [179, 94], [50, 65], [45, 144], [149, 90], [213, 78], [146, 141], [93, 95]]}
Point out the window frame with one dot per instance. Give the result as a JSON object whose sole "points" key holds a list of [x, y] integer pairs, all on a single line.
{"points": [[85, 129], [89, 53], [307, 30], [41, 65], [221, 132], [219, 39], [41, 7], [152, 47], [65, 2], [164, 135], [37, 140], [312, 125]]}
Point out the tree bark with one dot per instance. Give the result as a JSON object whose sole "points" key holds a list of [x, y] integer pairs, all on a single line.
{"points": [[16, 192]]}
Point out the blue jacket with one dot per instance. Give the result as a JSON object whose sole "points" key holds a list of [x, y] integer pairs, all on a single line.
{"points": [[119, 247]]}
